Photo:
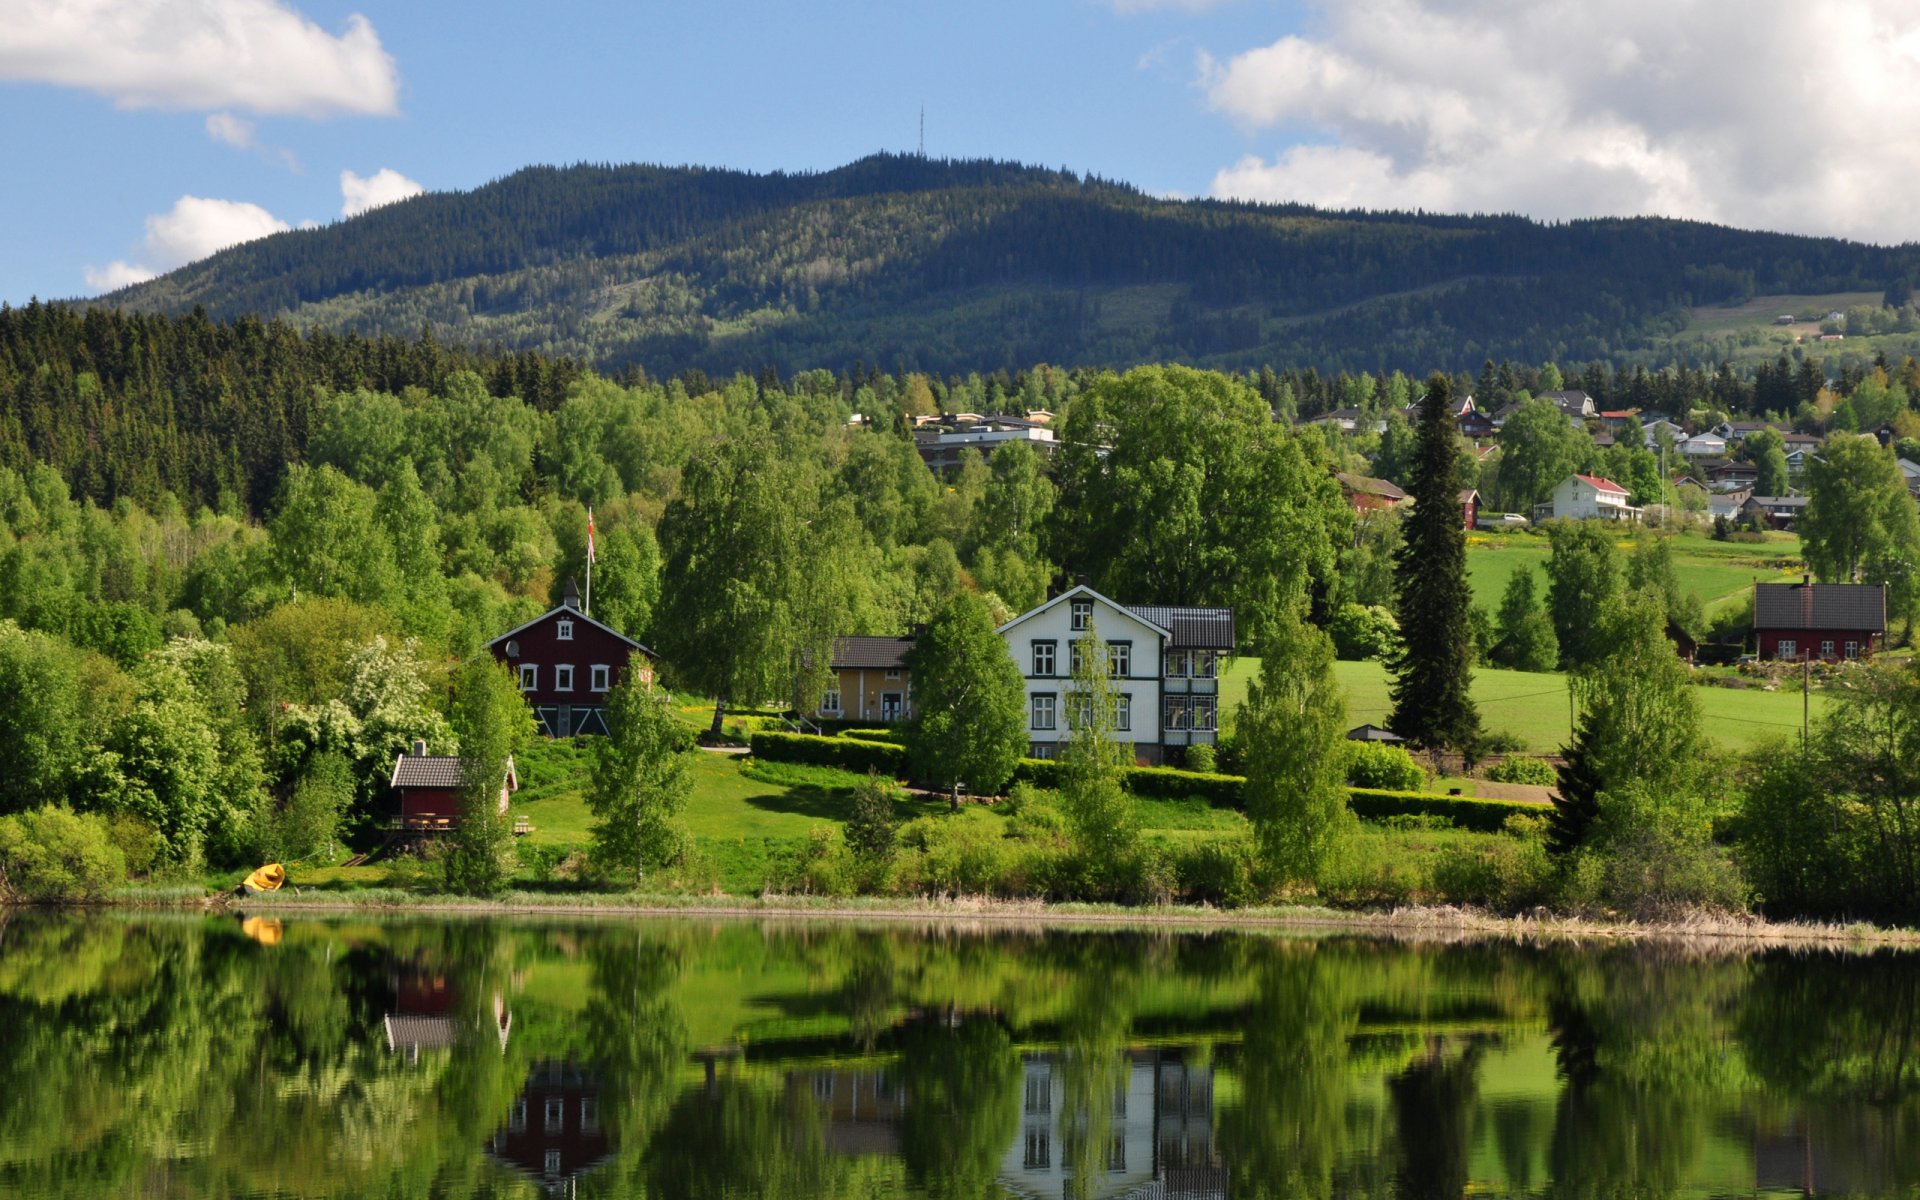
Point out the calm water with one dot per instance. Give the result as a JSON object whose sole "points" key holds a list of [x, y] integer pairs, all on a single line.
{"points": [[209, 1057]]}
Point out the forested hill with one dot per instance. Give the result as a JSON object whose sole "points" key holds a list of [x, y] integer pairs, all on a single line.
{"points": [[949, 266]]}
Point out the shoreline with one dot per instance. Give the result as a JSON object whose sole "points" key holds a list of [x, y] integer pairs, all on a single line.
{"points": [[1420, 922]]}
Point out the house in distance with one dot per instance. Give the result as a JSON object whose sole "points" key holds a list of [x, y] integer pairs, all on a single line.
{"points": [[566, 662], [1825, 622]]}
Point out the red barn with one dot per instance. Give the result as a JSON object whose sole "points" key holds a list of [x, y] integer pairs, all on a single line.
{"points": [[429, 788], [1825, 621], [566, 663]]}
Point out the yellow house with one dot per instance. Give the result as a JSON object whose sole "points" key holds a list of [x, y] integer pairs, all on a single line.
{"points": [[872, 681]]}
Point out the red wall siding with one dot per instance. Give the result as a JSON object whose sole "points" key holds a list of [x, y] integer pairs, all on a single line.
{"points": [[1808, 641], [541, 646], [429, 802]]}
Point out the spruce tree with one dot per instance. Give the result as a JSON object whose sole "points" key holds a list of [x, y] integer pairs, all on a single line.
{"points": [[1432, 702]]}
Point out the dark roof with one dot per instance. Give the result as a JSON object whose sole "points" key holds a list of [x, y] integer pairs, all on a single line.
{"points": [[572, 612], [1368, 485], [1372, 733], [871, 653], [1192, 628], [1779, 502], [427, 770], [1860, 606]]}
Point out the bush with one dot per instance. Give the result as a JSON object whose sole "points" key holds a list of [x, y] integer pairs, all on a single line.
{"points": [[1040, 772], [1034, 818], [1362, 631], [851, 754], [955, 855], [1168, 783], [1201, 758], [821, 866], [55, 855], [1219, 871], [1651, 857], [1385, 767], [892, 736], [1464, 812], [1507, 874], [870, 826], [1519, 768]]}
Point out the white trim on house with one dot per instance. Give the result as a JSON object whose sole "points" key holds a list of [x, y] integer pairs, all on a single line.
{"points": [[573, 614]]}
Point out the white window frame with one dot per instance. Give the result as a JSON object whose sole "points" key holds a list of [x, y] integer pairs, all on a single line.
{"points": [[600, 676], [563, 630], [1081, 614], [1046, 658], [1119, 660], [1789, 648], [1177, 664], [1826, 648], [1123, 712], [1853, 649], [589, 1114], [563, 677], [1205, 662], [529, 677], [1047, 703], [554, 1115], [893, 672], [1206, 715], [1176, 713], [830, 701]]}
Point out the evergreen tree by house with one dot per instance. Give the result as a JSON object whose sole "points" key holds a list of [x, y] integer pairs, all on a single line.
{"points": [[1291, 729], [1432, 700], [1639, 721], [969, 701], [642, 776]]}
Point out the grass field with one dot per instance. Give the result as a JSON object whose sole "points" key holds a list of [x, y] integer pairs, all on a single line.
{"points": [[1718, 572], [1747, 333], [1533, 707]]}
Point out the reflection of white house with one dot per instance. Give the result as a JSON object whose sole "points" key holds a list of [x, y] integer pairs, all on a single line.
{"points": [[1586, 497], [1156, 1139], [1164, 663]]}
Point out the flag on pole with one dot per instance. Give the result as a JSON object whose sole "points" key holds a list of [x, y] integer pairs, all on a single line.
{"points": [[589, 535]]}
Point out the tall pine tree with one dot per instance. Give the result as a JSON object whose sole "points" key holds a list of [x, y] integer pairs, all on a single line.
{"points": [[1432, 703]]}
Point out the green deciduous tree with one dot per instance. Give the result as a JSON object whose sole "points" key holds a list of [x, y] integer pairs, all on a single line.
{"points": [[491, 721], [1860, 524], [969, 700], [1524, 637], [42, 737], [642, 776], [1538, 448], [1639, 722], [1290, 730], [1767, 451], [1433, 670], [1094, 762], [1583, 582]]}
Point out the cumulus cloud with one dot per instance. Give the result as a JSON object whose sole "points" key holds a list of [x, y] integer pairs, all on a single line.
{"points": [[235, 132], [1794, 116], [258, 56], [382, 187], [191, 230]]}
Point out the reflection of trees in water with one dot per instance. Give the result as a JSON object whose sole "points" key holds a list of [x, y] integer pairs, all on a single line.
{"points": [[963, 1105], [1433, 1106]]}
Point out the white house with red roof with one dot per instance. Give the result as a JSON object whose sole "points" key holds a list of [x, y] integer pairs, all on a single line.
{"points": [[1585, 498]]}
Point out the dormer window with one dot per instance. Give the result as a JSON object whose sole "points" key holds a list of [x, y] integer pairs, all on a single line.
{"points": [[1082, 613], [563, 630]]}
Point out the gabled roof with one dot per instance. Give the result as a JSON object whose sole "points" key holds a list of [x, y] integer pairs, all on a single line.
{"points": [[1190, 628], [1781, 502], [1082, 589], [1860, 606], [1372, 733], [1601, 483], [1367, 485], [438, 771], [871, 653], [576, 614]]}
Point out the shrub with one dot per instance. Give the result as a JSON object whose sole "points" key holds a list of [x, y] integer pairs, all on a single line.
{"points": [[1201, 758], [955, 856], [1520, 768], [1219, 871], [1651, 856], [1036, 819], [1040, 772], [1464, 812], [820, 867], [1506, 874], [1361, 631], [850, 754], [55, 855], [1168, 783], [1381, 766], [892, 736], [870, 826]]}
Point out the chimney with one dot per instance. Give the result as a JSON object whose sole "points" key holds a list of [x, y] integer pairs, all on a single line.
{"points": [[571, 598], [1806, 581], [420, 748]]}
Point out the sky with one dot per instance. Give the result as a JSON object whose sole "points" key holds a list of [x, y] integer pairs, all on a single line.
{"points": [[139, 135]]}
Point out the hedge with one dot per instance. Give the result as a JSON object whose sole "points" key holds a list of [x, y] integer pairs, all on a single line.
{"points": [[1466, 812], [1169, 783], [851, 754], [891, 736]]}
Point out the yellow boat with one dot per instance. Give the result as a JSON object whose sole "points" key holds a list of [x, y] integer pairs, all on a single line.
{"points": [[266, 879]]}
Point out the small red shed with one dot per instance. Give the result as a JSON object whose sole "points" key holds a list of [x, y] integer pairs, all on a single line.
{"points": [[1828, 622], [429, 788]]}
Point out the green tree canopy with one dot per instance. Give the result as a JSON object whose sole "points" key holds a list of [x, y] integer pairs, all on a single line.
{"points": [[1290, 729], [1583, 581], [969, 700], [491, 721], [642, 776], [1861, 524]]}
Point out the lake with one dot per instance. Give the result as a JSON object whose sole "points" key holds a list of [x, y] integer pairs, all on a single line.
{"points": [[190, 1056]]}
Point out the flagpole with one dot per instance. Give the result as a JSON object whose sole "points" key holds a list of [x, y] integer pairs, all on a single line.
{"points": [[588, 611]]}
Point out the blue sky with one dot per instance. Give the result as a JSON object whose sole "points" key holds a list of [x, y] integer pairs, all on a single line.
{"points": [[142, 133]]}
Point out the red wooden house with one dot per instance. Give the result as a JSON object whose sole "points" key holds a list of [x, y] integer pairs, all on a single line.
{"points": [[429, 788], [553, 1131], [566, 663], [1819, 621]]}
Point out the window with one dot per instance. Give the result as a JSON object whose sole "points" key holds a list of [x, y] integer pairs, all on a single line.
{"points": [[1041, 750], [1117, 1153], [1073, 657], [553, 1162], [1789, 648], [1119, 659], [1123, 712], [1038, 1153], [529, 677], [589, 1115], [1826, 648], [893, 673], [1082, 614], [556, 1114], [563, 678], [1853, 649], [563, 630], [517, 1118], [1174, 712], [1039, 1094], [1079, 712], [1176, 664], [602, 677], [1203, 664], [1043, 658], [830, 700], [1043, 710], [1203, 712]]}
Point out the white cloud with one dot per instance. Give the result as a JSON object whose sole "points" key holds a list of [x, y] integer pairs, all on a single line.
{"points": [[234, 131], [1795, 116], [191, 230], [254, 55], [382, 187]]}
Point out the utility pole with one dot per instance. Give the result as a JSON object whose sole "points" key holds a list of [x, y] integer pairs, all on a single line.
{"points": [[923, 131], [1806, 696]]}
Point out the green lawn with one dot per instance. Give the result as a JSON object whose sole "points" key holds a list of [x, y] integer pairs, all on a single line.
{"points": [[1717, 572], [1533, 707]]}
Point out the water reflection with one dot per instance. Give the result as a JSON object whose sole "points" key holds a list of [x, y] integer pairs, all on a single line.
{"points": [[176, 1056]]}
